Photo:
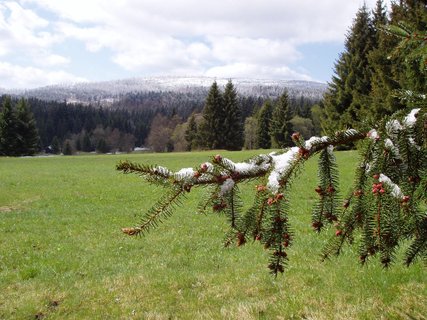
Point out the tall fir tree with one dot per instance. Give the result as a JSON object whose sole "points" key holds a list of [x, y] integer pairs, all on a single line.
{"points": [[8, 126], [407, 69], [263, 130], [26, 130], [383, 101], [233, 124], [191, 134], [212, 127], [347, 101], [281, 126]]}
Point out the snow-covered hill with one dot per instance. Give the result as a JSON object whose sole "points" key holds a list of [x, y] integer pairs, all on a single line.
{"points": [[107, 92]]}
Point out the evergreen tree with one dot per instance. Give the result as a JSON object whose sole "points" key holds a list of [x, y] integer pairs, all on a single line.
{"points": [[26, 130], [408, 69], [212, 127], [263, 130], [383, 100], [347, 101], [233, 124], [191, 134], [281, 126], [8, 129]]}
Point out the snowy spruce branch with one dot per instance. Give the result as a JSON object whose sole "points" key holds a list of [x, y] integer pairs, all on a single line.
{"points": [[385, 206]]}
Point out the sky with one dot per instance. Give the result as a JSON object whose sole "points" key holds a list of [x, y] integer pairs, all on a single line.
{"points": [[45, 42]]}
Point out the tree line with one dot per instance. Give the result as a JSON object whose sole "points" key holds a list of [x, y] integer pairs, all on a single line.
{"points": [[68, 128]]}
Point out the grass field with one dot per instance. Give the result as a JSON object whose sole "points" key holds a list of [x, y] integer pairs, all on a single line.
{"points": [[63, 256]]}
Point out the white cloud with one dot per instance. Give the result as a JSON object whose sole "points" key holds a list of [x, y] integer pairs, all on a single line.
{"points": [[22, 29], [14, 76], [52, 60], [253, 38]]}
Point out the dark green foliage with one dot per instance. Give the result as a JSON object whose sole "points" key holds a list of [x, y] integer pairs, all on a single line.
{"points": [[222, 126], [325, 210], [347, 102], [8, 126], [65, 120], [18, 132], [26, 130], [212, 128], [376, 71], [233, 123], [281, 126], [191, 134], [264, 121]]}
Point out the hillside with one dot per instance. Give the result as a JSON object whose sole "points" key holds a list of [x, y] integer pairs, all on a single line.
{"points": [[106, 93]]}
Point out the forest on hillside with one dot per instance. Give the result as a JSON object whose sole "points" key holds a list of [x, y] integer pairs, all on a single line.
{"points": [[127, 123]]}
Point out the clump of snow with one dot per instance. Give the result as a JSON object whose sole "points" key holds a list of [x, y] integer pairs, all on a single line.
{"points": [[368, 167], [411, 118], [280, 164], [388, 144], [250, 166], [226, 186], [395, 189], [164, 170], [244, 166], [351, 131], [313, 140], [185, 173], [373, 134]]}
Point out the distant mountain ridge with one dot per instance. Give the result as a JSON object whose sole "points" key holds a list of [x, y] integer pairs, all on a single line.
{"points": [[107, 92]]}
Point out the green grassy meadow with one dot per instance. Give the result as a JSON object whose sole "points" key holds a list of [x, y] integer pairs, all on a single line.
{"points": [[63, 255]]}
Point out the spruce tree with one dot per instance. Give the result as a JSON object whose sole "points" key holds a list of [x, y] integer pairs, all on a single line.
{"points": [[8, 129], [347, 101], [408, 69], [264, 121], [212, 127], [233, 123], [281, 126], [191, 134], [26, 130], [383, 100]]}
